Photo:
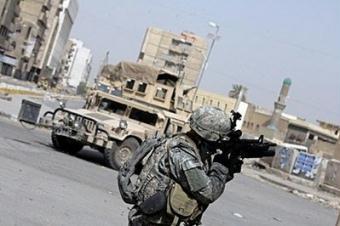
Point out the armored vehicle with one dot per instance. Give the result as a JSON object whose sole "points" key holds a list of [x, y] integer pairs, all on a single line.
{"points": [[131, 103]]}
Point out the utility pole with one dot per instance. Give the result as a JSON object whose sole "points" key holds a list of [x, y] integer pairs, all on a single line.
{"points": [[213, 37]]}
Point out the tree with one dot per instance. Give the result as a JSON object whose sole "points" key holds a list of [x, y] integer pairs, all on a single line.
{"points": [[236, 91]]}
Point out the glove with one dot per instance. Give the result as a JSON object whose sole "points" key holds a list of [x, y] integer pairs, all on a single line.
{"points": [[234, 164]]}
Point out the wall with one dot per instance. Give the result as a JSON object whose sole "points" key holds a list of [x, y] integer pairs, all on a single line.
{"points": [[203, 98], [332, 176]]}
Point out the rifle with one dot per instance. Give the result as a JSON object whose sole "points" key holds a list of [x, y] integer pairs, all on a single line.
{"points": [[246, 148], [235, 146]]}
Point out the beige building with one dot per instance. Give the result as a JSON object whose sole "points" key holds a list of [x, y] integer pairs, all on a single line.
{"points": [[182, 54], [293, 130], [205, 98], [9, 12], [41, 34], [30, 37], [68, 11]]}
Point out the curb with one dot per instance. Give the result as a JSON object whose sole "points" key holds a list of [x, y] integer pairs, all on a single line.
{"points": [[5, 115], [281, 184]]}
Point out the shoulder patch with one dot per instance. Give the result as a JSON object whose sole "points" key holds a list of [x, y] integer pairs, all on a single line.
{"points": [[179, 142]]}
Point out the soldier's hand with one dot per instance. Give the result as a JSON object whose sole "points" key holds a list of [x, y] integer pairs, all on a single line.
{"points": [[234, 165], [221, 158]]}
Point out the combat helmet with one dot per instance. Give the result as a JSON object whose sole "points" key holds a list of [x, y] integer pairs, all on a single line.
{"points": [[210, 123]]}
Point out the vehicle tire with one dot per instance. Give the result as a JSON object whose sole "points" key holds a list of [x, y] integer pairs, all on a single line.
{"points": [[119, 154], [65, 144]]}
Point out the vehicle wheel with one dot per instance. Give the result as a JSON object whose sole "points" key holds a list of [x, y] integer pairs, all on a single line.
{"points": [[118, 155], [65, 144]]}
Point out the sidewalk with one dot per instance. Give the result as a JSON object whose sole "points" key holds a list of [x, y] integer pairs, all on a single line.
{"points": [[300, 189]]}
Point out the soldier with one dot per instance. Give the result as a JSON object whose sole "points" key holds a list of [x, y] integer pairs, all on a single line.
{"points": [[180, 175]]}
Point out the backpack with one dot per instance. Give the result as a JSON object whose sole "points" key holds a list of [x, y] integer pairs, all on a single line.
{"points": [[132, 167]]}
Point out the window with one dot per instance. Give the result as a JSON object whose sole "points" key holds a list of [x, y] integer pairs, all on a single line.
{"points": [[112, 106], [116, 92], [179, 129], [143, 116], [129, 84], [103, 88], [218, 104], [203, 100], [161, 93], [166, 79], [211, 102], [311, 137], [142, 87], [141, 55], [196, 99], [28, 34]]}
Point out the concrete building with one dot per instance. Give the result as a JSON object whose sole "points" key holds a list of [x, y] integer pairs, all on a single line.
{"points": [[204, 98], [41, 35], [65, 21], [51, 32], [183, 54], [76, 66], [9, 12], [29, 37], [318, 140]]}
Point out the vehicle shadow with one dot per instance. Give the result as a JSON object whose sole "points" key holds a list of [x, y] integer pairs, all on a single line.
{"points": [[91, 155], [88, 155]]}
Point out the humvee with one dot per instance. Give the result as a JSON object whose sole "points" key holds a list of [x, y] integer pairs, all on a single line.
{"points": [[137, 102]]}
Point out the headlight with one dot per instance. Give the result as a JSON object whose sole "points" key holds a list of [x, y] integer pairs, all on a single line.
{"points": [[123, 124], [77, 125]]}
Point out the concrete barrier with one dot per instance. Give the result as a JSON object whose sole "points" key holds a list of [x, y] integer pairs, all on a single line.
{"points": [[306, 165], [332, 175], [284, 159]]}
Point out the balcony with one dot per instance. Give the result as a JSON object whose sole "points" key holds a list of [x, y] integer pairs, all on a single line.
{"points": [[43, 19], [47, 5], [17, 10]]}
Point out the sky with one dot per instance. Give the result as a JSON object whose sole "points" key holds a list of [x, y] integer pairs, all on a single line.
{"points": [[262, 43]]}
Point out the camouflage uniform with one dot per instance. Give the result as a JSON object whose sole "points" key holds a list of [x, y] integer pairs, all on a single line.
{"points": [[178, 159]]}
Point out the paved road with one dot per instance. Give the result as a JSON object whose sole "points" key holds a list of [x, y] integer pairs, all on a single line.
{"points": [[40, 186]]}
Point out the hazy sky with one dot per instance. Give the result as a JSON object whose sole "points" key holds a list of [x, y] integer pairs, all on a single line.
{"points": [[262, 43]]}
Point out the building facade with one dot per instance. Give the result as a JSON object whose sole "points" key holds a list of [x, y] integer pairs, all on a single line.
{"points": [[41, 34], [9, 13], [65, 21], [183, 54], [76, 66], [30, 37]]}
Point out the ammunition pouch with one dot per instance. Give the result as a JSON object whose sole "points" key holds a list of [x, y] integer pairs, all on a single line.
{"points": [[180, 204], [154, 204]]}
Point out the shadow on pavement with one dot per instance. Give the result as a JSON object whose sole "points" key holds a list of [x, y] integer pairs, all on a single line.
{"points": [[91, 155], [86, 154]]}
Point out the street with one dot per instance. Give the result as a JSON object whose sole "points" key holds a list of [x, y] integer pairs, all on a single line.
{"points": [[41, 186]]}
